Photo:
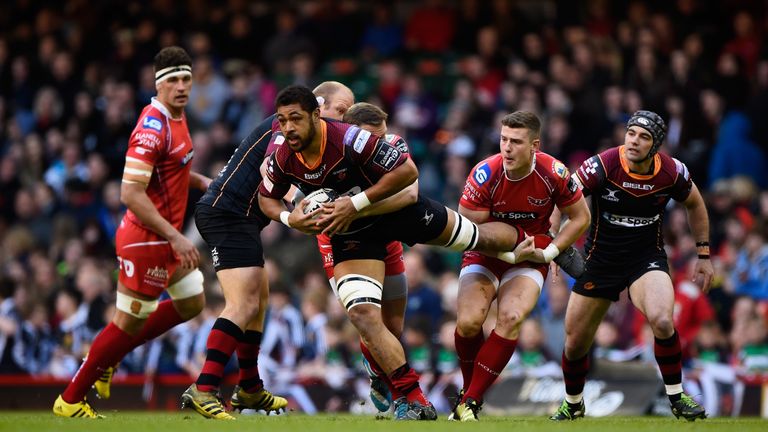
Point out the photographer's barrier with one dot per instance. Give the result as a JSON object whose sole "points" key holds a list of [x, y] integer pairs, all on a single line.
{"points": [[611, 389]]}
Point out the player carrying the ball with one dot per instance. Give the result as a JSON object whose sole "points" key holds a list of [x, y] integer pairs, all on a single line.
{"points": [[365, 168]]}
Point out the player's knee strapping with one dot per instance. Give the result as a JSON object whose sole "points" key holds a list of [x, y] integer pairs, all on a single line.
{"points": [[188, 286], [138, 308], [465, 234], [355, 289]]}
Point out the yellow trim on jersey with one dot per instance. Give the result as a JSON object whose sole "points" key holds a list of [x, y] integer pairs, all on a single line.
{"points": [[324, 138], [625, 167]]}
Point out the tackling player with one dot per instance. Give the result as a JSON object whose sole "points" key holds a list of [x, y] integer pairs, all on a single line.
{"points": [[365, 169], [519, 185], [630, 187], [153, 254]]}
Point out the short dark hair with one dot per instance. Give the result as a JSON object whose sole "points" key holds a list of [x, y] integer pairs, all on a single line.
{"points": [[365, 113], [525, 120], [172, 56], [297, 94]]}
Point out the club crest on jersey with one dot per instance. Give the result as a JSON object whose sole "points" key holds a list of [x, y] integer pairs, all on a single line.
{"points": [[152, 123], [538, 202], [482, 173], [340, 174], [559, 169]]}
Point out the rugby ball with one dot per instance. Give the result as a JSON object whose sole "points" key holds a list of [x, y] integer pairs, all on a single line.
{"points": [[319, 197]]}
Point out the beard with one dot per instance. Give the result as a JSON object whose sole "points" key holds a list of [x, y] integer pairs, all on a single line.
{"points": [[305, 142]]}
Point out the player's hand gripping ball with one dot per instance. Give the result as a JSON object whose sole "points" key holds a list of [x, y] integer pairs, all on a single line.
{"points": [[316, 199]]}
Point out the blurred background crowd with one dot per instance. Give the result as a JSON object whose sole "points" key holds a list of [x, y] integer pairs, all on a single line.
{"points": [[74, 75]]}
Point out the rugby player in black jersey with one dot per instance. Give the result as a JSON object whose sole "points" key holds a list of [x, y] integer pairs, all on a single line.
{"points": [[365, 169], [630, 186]]}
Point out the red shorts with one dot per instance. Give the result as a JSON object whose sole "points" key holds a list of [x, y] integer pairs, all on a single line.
{"points": [[146, 259], [498, 267], [393, 262]]}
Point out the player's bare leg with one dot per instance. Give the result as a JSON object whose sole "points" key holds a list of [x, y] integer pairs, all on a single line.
{"points": [[359, 285], [108, 348], [491, 236], [393, 314], [367, 317], [476, 293], [241, 288], [582, 317], [249, 391], [516, 298], [189, 302], [654, 296], [382, 392]]}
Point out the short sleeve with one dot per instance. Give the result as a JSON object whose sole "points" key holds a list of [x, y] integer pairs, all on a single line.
{"points": [[148, 142], [590, 175], [376, 155], [683, 182], [567, 190], [477, 189], [275, 184]]}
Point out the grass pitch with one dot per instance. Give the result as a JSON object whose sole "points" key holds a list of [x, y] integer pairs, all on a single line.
{"points": [[188, 421]]}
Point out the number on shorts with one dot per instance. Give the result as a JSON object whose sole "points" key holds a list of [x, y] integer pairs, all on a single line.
{"points": [[127, 266]]}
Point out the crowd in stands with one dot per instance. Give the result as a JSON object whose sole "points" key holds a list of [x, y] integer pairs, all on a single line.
{"points": [[75, 74]]}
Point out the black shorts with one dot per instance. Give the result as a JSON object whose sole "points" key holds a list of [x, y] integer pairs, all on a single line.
{"points": [[609, 280], [234, 240], [417, 223]]}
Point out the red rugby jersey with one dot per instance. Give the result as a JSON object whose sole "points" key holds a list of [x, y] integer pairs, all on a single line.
{"points": [[527, 202], [163, 142]]}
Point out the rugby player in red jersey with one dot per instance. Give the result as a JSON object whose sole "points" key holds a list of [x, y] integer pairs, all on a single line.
{"points": [[630, 186], [519, 185], [153, 254]]}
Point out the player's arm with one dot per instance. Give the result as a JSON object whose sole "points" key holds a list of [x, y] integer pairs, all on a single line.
{"points": [[275, 209], [698, 220], [293, 195], [345, 209], [404, 198], [274, 185], [133, 193], [199, 181], [476, 216], [570, 231]]}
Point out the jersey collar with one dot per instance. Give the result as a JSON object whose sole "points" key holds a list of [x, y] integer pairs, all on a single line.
{"points": [[160, 107], [324, 138], [533, 167], [625, 166]]}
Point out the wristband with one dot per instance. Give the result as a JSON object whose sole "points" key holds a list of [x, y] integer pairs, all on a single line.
{"points": [[702, 243], [360, 201], [284, 217], [703, 256], [551, 252], [507, 257]]}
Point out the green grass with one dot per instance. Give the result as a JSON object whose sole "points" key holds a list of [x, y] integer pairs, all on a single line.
{"points": [[33, 421]]}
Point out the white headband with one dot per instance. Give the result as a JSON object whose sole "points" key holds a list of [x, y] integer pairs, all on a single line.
{"points": [[164, 74]]}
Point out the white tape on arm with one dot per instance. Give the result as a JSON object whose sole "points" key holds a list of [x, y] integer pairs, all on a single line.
{"points": [[507, 257], [550, 252], [360, 201], [284, 218]]}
